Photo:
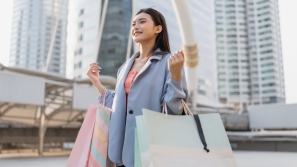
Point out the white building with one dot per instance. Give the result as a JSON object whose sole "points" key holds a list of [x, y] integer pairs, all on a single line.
{"points": [[39, 29], [249, 53]]}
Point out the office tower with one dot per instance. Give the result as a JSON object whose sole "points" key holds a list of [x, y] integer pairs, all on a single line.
{"points": [[249, 53], [39, 29], [113, 39], [203, 19]]}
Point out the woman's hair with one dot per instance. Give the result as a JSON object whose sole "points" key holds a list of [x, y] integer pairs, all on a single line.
{"points": [[162, 40]]}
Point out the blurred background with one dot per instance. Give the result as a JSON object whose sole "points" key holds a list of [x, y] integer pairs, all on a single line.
{"points": [[246, 72]]}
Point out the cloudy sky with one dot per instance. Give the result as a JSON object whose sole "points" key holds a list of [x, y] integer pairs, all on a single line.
{"points": [[288, 11]]}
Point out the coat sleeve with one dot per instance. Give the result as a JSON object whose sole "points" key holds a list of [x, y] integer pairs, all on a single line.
{"points": [[109, 95], [173, 93]]}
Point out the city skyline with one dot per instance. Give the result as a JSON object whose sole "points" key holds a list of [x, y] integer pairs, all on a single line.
{"points": [[289, 100]]}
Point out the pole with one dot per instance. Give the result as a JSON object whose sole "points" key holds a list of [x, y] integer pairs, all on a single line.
{"points": [[190, 48]]}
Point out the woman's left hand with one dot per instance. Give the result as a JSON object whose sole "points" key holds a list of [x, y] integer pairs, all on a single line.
{"points": [[175, 65]]}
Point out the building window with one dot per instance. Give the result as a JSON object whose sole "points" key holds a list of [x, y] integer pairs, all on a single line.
{"points": [[81, 12], [80, 50], [81, 25], [80, 37]]}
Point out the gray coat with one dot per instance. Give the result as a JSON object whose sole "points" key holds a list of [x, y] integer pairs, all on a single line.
{"points": [[150, 89]]}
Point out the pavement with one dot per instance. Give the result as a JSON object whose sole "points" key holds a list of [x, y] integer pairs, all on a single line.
{"points": [[243, 159]]}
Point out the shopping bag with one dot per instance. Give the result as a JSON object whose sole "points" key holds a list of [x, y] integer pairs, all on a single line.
{"points": [[98, 155], [179, 141], [91, 145], [80, 151]]}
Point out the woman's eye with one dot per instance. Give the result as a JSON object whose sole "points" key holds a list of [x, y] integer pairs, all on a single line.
{"points": [[142, 22], [133, 25]]}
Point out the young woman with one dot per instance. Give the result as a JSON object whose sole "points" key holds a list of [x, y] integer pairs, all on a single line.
{"points": [[150, 78]]}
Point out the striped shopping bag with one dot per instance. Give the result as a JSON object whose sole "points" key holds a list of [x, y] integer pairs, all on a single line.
{"points": [[98, 156]]}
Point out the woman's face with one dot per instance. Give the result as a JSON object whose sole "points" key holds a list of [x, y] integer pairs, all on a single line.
{"points": [[144, 29]]}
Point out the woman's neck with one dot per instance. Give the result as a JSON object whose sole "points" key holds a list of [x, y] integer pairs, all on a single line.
{"points": [[146, 49]]}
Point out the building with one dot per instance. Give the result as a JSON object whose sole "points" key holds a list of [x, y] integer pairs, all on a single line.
{"points": [[39, 29], [203, 20], [249, 53], [114, 38]]}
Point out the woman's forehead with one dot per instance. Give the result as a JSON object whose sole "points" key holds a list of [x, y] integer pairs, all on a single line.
{"points": [[141, 16]]}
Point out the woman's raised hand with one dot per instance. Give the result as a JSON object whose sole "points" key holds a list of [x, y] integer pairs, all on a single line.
{"points": [[175, 65], [93, 73]]}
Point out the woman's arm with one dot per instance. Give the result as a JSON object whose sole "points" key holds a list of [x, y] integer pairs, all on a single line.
{"points": [[106, 94], [173, 92], [175, 89]]}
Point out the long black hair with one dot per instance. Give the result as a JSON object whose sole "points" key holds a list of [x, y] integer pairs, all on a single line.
{"points": [[162, 40]]}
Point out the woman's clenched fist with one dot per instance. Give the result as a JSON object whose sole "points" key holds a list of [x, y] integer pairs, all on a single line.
{"points": [[93, 73], [175, 65]]}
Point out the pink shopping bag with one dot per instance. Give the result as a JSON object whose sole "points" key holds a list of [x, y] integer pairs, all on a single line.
{"points": [[98, 155], [80, 152]]}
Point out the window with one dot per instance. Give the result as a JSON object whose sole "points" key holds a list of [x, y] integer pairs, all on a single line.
{"points": [[268, 91], [264, 26], [80, 37], [202, 92], [81, 24], [265, 32], [267, 65], [262, 2], [80, 51], [267, 71], [267, 78], [262, 8], [81, 12]]}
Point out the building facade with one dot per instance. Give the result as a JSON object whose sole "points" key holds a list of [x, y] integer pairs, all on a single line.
{"points": [[249, 53], [114, 38], [39, 30]]}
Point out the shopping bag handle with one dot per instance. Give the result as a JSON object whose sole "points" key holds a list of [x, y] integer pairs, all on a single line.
{"points": [[197, 120], [185, 107]]}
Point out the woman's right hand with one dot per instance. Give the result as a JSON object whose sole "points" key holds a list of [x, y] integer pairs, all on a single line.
{"points": [[93, 73]]}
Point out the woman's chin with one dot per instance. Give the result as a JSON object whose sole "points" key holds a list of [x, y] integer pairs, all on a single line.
{"points": [[137, 40]]}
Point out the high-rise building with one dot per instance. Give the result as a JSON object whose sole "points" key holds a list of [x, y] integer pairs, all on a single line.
{"points": [[249, 53], [203, 19], [39, 29], [113, 39]]}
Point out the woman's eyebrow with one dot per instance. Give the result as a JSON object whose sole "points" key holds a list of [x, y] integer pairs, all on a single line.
{"points": [[139, 19]]}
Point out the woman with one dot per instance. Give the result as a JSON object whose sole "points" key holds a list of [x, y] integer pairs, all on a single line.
{"points": [[150, 78]]}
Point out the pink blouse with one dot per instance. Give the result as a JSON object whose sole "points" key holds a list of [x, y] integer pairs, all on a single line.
{"points": [[129, 80]]}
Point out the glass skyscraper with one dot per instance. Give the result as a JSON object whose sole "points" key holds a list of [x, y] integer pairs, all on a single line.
{"points": [[34, 24]]}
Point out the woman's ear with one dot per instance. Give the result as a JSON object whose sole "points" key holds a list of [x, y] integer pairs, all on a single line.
{"points": [[159, 29]]}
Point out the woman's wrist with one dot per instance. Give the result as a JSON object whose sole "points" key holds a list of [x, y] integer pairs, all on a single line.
{"points": [[101, 89], [177, 77]]}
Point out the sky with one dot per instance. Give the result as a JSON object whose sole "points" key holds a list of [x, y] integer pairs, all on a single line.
{"points": [[288, 23]]}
